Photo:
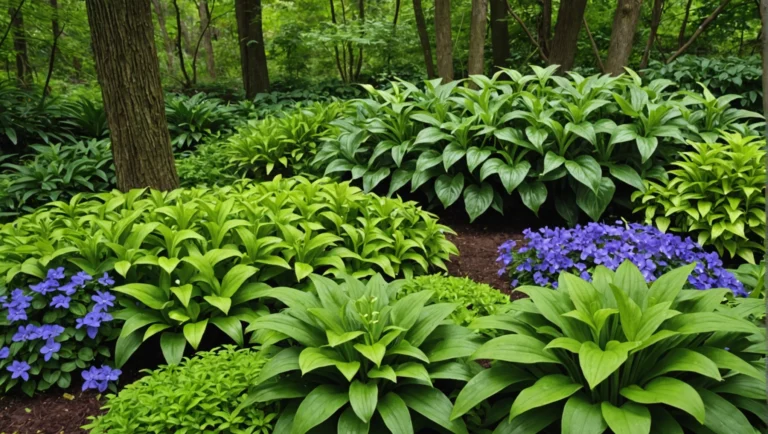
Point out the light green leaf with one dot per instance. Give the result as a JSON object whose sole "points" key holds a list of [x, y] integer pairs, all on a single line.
{"points": [[318, 406], [374, 353], [581, 417], [547, 390], [597, 364], [486, 384], [194, 332], [363, 397], [669, 391], [395, 414], [631, 418], [515, 349], [432, 404]]}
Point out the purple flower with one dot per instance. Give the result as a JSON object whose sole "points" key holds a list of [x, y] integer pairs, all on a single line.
{"points": [[92, 321], [49, 331], [105, 280], [99, 378], [17, 306], [103, 300], [50, 348], [5, 352], [46, 286], [68, 289], [80, 278], [60, 302], [19, 370], [26, 333], [56, 273]]}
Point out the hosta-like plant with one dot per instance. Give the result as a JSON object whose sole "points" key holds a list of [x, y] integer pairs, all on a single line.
{"points": [[617, 354], [716, 193], [361, 360], [191, 120], [752, 276]]}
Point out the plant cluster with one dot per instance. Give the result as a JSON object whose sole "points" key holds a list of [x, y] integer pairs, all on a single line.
{"points": [[361, 361], [55, 327], [616, 354], [716, 193], [473, 299], [547, 253], [192, 120], [194, 258], [200, 395], [545, 136], [207, 165], [25, 119], [752, 276]]}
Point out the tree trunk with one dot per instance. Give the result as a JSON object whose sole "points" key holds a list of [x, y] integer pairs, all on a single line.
{"points": [[569, 18], [499, 33], [658, 8], [545, 26], [253, 58], [179, 30], [123, 42], [426, 46], [699, 30], [167, 41], [207, 39], [443, 42], [684, 25], [23, 67], [477, 37], [622, 35]]}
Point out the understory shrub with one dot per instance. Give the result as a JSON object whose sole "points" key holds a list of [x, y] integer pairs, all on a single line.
{"points": [[361, 360], [752, 276], [550, 251], [194, 258], [566, 139], [715, 193], [473, 299], [191, 120], [208, 165], [617, 354], [54, 327], [201, 395]]}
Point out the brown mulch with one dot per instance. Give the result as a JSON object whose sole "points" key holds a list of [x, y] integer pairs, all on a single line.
{"points": [[48, 413]]}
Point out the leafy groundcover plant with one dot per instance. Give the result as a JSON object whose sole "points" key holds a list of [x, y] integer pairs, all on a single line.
{"points": [[193, 259], [548, 252], [715, 193], [55, 327], [473, 299], [201, 395], [618, 354], [752, 276], [361, 360]]}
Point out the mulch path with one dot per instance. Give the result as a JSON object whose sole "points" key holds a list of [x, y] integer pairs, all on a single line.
{"points": [[59, 412]]}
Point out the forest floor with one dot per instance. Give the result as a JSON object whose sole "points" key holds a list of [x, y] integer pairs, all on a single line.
{"points": [[65, 412]]}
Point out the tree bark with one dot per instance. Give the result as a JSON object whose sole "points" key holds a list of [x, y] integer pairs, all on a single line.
{"points": [[658, 8], [23, 67], [499, 33], [123, 43], [569, 18], [205, 19], [426, 46], [545, 26], [684, 25], [703, 26], [179, 30], [167, 41], [477, 37], [253, 58], [443, 42], [625, 21]]}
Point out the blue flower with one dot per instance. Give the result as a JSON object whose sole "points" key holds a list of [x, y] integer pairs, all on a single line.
{"points": [[49, 331], [99, 378], [50, 348], [46, 286], [105, 280], [103, 300], [56, 273], [19, 370], [68, 289], [5, 352], [17, 306], [60, 302], [80, 278]]}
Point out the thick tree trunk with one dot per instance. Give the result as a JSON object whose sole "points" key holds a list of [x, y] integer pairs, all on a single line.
{"points": [[23, 67], [253, 58], [443, 42], [563, 48], [126, 63], [477, 37], [658, 8], [623, 35], [545, 26], [684, 25], [205, 27], [499, 33], [167, 41], [426, 46]]}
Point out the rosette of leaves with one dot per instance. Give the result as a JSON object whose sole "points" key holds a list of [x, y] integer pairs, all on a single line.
{"points": [[716, 193], [616, 354], [192, 120], [361, 360]]}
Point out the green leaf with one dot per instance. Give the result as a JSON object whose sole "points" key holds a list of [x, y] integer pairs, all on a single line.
{"points": [[385, 372], [194, 332], [173, 345], [413, 370], [451, 154], [592, 203], [668, 285], [515, 349], [429, 318], [449, 188], [477, 199], [221, 303], [685, 360], [374, 353], [727, 360], [125, 347], [597, 364], [231, 326], [363, 397], [395, 414], [235, 278], [285, 361], [581, 417], [646, 146], [628, 175], [183, 293], [168, 264], [722, 417], [551, 162], [432, 404], [485, 384], [372, 179], [334, 339], [476, 156], [631, 418], [586, 170], [303, 270], [709, 322], [315, 358], [512, 176], [669, 391], [349, 423], [318, 406], [546, 390], [533, 194], [431, 135], [152, 296]]}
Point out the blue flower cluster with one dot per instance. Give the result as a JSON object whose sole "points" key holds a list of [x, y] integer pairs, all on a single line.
{"points": [[548, 252], [99, 378]]}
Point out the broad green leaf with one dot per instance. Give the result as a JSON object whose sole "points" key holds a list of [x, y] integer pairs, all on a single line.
{"points": [[315, 358], [363, 397], [477, 199], [285, 361], [172, 345], [586, 170], [303, 270], [183, 293], [231, 326], [685, 360], [152, 296], [581, 417], [432, 404], [512, 176], [372, 178], [669, 391], [194, 332], [594, 203], [448, 188], [647, 146], [486, 384], [515, 349], [221, 303], [451, 154], [547, 390], [349, 423], [395, 414], [385, 372], [413, 370], [709, 322], [318, 406], [533, 194], [630, 418], [668, 285], [597, 365], [628, 175], [431, 135], [722, 417], [551, 162], [476, 156], [126, 346], [334, 339], [374, 353], [429, 318], [727, 360]]}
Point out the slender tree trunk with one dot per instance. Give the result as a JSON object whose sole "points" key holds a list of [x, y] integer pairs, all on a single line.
{"points": [[397, 15], [23, 67], [595, 48], [179, 30], [339, 63], [443, 42], [361, 18], [563, 48], [699, 30], [623, 35], [477, 37], [186, 35], [658, 9], [253, 58], [123, 42], [426, 46], [167, 41], [684, 24], [499, 33], [56, 33], [545, 26], [205, 27]]}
